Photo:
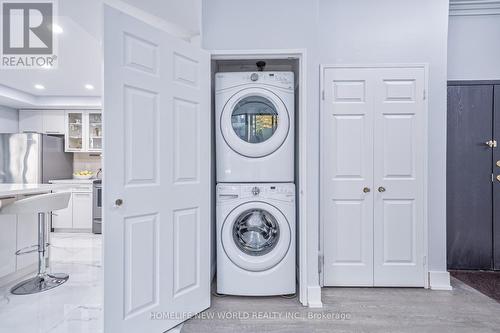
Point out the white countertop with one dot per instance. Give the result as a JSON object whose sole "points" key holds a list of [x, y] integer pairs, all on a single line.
{"points": [[7, 190], [72, 181]]}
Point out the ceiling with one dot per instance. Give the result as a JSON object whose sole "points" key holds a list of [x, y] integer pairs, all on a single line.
{"points": [[79, 51], [79, 56]]}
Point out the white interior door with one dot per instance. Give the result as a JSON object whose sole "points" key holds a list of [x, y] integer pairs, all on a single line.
{"points": [[373, 176], [399, 164], [157, 151], [347, 159]]}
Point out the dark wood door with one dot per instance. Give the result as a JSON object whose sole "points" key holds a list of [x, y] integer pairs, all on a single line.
{"points": [[496, 181], [469, 186]]}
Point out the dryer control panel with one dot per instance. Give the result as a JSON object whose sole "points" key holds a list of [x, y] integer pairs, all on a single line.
{"points": [[284, 80]]}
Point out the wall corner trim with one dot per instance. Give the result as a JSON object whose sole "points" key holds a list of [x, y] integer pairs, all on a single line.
{"points": [[474, 7], [439, 280], [314, 297]]}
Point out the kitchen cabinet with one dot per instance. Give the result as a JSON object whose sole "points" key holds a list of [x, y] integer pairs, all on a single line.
{"points": [[30, 121], [82, 210], [53, 122], [7, 244], [78, 215], [42, 121], [27, 236], [94, 138], [83, 131]]}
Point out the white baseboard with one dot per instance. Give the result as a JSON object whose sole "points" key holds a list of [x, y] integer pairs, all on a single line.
{"points": [[314, 297], [439, 280], [73, 230]]}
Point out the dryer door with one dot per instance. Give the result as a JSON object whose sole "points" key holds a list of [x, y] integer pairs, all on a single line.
{"points": [[255, 122], [256, 236]]}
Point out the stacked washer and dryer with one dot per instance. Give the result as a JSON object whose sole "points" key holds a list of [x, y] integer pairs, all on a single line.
{"points": [[255, 147]]}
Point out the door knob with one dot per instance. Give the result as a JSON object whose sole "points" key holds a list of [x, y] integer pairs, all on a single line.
{"points": [[366, 190], [491, 143], [381, 189], [498, 164], [118, 202], [498, 178]]}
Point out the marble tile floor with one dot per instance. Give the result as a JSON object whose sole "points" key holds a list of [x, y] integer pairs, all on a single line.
{"points": [[73, 307], [76, 307]]}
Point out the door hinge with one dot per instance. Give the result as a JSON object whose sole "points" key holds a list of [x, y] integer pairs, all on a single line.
{"points": [[492, 178], [321, 262], [322, 94], [424, 95], [424, 261]]}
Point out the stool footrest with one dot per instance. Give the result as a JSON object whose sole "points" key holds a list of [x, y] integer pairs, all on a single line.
{"points": [[29, 249], [26, 250]]}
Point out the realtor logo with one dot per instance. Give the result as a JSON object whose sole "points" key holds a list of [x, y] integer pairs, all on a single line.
{"points": [[27, 34]]}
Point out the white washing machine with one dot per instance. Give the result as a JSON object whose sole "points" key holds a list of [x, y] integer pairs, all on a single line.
{"points": [[256, 239], [254, 126]]}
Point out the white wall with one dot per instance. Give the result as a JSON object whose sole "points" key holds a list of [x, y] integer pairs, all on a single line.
{"points": [[474, 47], [185, 13], [356, 31], [9, 120]]}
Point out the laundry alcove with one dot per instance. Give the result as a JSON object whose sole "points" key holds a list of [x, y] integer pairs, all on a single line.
{"points": [[275, 62]]}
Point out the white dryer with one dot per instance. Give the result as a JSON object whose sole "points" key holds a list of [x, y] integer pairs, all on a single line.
{"points": [[256, 239], [254, 126]]}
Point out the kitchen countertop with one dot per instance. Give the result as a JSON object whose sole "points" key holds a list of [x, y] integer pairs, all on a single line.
{"points": [[72, 181], [16, 189]]}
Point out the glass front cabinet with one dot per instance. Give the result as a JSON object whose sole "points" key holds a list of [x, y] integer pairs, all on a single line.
{"points": [[83, 131]]}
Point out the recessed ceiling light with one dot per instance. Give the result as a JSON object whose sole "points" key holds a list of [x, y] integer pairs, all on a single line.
{"points": [[89, 87], [57, 29], [39, 87]]}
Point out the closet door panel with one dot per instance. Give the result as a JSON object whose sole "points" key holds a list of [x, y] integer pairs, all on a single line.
{"points": [[399, 150], [347, 162]]}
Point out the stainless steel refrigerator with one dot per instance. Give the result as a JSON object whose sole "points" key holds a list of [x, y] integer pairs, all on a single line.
{"points": [[33, 158]]}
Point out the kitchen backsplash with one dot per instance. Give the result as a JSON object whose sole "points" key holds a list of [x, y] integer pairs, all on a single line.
{"points": [[83, 161]]}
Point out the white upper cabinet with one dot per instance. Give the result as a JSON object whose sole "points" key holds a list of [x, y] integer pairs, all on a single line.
{"points": [[94, 138], [83, 131], [42, 121], [30, 121], [53, 122], [74, 139]]}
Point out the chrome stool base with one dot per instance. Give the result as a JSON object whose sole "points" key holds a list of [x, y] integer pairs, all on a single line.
{"points": [[39, 283]]}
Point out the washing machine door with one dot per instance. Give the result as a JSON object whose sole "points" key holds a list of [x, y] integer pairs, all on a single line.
{"points": [[256, 236], [255, 122]]}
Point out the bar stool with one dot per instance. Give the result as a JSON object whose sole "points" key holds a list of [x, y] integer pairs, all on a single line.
{"points": [[42, 204]]}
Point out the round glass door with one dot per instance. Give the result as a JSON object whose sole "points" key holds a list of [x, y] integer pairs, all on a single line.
{"points": [[254, 119], [256, 232], [254, 122], [255, 236]]}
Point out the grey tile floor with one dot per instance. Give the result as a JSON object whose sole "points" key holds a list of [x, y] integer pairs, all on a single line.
{"points": [[356, 310], [76, 306]]}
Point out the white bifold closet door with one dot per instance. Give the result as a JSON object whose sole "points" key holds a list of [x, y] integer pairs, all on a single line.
{"points": [[157, 172], [373, 164]]}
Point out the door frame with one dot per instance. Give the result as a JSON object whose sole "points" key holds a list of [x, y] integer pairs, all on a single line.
{"points": [[311, 299], [425, 67]]}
